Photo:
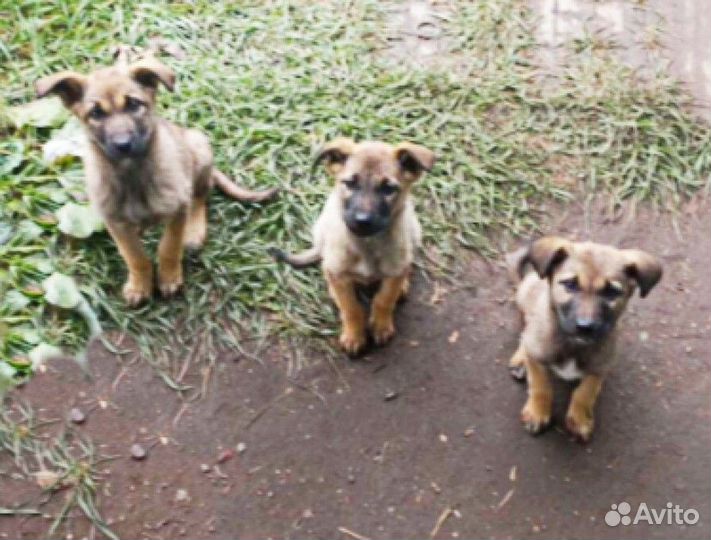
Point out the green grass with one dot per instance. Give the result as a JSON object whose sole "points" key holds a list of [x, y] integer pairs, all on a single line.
{"points": [[270, 82]]}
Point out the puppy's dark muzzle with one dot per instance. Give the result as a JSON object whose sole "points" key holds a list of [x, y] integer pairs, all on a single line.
{"points": [[125, 146], [362, 224]]}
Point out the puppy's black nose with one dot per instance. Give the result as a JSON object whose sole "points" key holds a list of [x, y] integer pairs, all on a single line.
{"points": [[121, 144], [124, 146], [363, 219], [586, 326]]}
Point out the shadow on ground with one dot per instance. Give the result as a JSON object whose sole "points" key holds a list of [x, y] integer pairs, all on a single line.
{"points": [[418, 439]]}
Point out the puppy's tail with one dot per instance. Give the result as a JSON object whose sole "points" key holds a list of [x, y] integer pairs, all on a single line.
{"points": [[516, 263], [231, 189], [310, 257]]}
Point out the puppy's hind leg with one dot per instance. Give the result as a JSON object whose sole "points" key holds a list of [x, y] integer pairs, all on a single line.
{"points": [[381, 315], [353, 336], [196, 226], [170, 256]]}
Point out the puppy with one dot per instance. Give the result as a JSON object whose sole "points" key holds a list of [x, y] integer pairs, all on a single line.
{"points": [[571, 300], [143, 170], [367, 232]]}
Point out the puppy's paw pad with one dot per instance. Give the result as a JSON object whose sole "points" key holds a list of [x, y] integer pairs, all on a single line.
{"points": [[382, 332], [170, 288], [534, 419], [135, 296], [352, 343], [580, 426]]}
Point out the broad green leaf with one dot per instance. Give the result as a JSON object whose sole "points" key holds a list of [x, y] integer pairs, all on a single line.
{"points": [[11, 153], [41, 264], [14, 301], [28, 335], [5, 232], [69, 141], [7, 377], [42, 353], [60, 290], [28, 230], [78, 221], [47, 112]]}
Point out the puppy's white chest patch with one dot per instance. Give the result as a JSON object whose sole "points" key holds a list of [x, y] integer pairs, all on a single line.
{"points": [[568, 370]]}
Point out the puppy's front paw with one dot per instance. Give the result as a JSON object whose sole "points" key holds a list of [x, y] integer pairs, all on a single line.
{"points": [[382, 329], [170, 282], [517, 372], [137, 291], [579, 421], [352, 341], [536, 414], [194, 239]]}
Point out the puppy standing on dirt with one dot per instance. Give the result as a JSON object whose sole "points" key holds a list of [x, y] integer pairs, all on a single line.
{"points": [[570, 305], [141, 169], [367, 233]]}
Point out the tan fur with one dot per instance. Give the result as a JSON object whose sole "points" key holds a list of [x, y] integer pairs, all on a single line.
{"points": [[165, 181], [385, 258], [594, 282]]}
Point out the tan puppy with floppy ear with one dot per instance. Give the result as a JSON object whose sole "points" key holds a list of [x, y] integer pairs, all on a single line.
{"points": [[367, 232], [571, 302], [141, 169]]}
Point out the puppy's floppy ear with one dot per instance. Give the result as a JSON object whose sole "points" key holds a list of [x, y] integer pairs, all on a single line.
{"points": [[645, 269], [414, 159], [547, 253], [68, 85], [149, 72], [335, 153]]}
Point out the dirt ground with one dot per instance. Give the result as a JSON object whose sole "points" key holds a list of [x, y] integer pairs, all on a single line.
{"points": [[424, 430]]}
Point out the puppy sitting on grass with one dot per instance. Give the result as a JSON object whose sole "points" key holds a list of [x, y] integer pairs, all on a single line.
{"points": [[142, 170], [571, 301], [367, 233]]}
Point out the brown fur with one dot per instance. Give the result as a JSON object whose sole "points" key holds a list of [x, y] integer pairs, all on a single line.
{"points": [[570, 305], [367, 233], [142, 170]]}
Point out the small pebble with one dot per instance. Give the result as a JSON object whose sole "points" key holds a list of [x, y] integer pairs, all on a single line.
{"points": [[138, 452], [204, 467], [77, 416], [390, 395], [241, 447], [182, 495]]}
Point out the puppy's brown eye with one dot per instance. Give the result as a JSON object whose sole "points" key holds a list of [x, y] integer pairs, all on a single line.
{"points": [[351, 183], [132, 104], [96, 113], [386, 188], [571, 285], [610, 292]]}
